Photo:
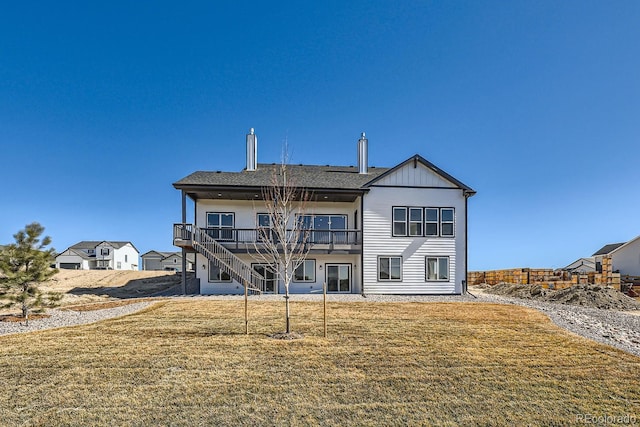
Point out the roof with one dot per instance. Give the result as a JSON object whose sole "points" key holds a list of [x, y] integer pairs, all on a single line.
{"points": [[76, 252], [166, 254], [606, 249], [92, 244], [307, 176]]}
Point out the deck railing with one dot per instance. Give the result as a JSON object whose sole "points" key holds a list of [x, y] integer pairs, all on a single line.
{"points": [[314, 237], [224, 259]]}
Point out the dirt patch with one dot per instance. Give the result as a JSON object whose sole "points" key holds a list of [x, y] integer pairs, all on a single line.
{"points": [[286, 336], [585, 295], [80, 287]]}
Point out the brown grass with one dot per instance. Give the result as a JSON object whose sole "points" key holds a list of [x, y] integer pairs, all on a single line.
{"points": [[20, 318], [188, 363]]}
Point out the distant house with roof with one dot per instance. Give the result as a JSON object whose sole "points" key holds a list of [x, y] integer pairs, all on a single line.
{"points": [[373, 230], [582, 266], [625, 257], [99, 255], [165, 261]]}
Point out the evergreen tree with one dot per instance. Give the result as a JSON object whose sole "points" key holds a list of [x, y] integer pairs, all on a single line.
{"points": [[23, 266]]}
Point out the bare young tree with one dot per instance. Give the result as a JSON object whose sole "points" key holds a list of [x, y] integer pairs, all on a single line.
{"points": [[283, 236]]}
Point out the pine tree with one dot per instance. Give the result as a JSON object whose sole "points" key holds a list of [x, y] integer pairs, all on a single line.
{"points": [[23, 266]]}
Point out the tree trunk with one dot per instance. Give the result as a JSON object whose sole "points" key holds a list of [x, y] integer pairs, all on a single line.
{"points": [[25, 313], [288, 319]]}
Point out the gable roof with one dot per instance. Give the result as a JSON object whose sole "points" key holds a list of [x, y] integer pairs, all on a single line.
{"points": [[92, 244], [311, 177], [607, 249], [622, 246], [415, 159]]}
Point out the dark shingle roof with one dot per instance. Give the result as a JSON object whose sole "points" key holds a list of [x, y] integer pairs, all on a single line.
{"points": [[608, 248], [306, 176], [92, 244]]}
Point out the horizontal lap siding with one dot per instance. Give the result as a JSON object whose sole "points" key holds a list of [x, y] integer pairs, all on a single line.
{"points": [[378, 240]]}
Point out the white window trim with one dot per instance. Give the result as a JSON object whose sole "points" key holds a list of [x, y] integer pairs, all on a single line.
{"points": [[221, 227], [437, 258], [389, 279]]}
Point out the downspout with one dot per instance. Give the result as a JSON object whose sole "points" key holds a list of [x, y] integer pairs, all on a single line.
{"points": [[465, 285], [184, 250], [362, 249]]}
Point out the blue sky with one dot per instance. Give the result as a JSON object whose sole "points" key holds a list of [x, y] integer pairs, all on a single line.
{"points": [[535, 104]]}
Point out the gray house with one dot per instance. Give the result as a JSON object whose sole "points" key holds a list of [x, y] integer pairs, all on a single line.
{"points": [[165, 261]]}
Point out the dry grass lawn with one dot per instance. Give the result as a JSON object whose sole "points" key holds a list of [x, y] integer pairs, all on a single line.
{"points": [[188, 363]]}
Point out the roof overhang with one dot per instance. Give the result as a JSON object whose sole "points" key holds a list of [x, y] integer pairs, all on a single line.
{"points": [[197, 192]]}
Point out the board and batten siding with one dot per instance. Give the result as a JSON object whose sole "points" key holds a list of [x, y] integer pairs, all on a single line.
{"points": [[378, 239], [419, 176]]}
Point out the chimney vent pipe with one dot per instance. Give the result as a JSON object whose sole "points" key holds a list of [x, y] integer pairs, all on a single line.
{"points": [[252, 150], [363, 143]]}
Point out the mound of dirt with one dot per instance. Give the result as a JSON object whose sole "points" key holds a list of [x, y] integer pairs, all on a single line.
{"points": [[586, 295], [593, 296], [517, 291]]}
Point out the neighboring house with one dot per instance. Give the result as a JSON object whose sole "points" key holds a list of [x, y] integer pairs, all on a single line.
{"points": [[99, 255], [398, 230], [581, 266], [625, 257], [167, 261]]}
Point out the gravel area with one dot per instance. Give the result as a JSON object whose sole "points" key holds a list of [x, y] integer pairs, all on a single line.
{"points": [[616, 328], [62, 318]]}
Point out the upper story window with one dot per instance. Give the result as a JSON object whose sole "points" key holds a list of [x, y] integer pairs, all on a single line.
{"points": [[323, 228], [104, 251], [220, 225], [399, 221], [91, 251], [427, 222]]}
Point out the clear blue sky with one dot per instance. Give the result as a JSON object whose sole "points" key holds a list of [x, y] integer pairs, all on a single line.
{"points": [[535, 104]]}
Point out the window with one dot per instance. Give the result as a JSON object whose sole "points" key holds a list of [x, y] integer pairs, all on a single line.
{"points": [[91, 251], [119, 265], [104, 251], [446, 222], [437, 269], [306, 272], [125, 258], [324, 228], [216, 275], [220, 225], [264, 231], [427, 222], [389, 268], [415, 221], [432, 220], [399, 221]]}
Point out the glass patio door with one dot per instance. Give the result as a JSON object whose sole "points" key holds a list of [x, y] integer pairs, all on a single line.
{"points": [[338, 277]]}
